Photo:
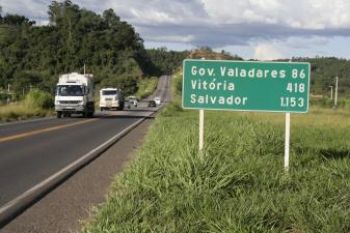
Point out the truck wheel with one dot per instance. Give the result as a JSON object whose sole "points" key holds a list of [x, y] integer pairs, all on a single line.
{"points": [[58, 114]]}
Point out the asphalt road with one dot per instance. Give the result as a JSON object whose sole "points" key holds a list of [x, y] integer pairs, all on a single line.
{"points": [[34, 150]]}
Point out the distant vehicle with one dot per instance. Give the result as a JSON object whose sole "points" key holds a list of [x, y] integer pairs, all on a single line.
{"points": [[132, 101], [74, 94], [152, 104], [157, 100], [111, 98]]}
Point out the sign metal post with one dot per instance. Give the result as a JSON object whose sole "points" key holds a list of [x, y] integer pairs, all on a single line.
{"points": [[287, 142], [201, 131]]}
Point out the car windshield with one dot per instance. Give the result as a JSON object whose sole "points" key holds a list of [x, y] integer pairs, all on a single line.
{"points": [[70, 90], [109, 92]]}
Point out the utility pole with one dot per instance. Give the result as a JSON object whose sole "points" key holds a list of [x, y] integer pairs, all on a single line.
{"points": [[331, 92], [8, 100], [336, 92], [84, 69]]}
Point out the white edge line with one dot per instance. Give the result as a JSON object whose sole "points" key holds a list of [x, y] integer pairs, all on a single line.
{"points": [[10, 208]]}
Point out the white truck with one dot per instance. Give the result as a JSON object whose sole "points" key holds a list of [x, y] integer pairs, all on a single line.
{"points": [[74, 94], [111, 98]]}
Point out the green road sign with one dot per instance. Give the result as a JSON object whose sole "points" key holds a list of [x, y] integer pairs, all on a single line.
{"points": [[246, 86]]}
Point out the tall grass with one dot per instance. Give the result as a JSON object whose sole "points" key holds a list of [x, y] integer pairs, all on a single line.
{"points": [[146, 87], [35, 104], [326, 102], [238, 184]]}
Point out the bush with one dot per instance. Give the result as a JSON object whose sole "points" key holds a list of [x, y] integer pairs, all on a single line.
{"points": [[126, 83], [178, 85], [4, 97], [39, 99], [326, 102], [146, 86], [172, 109]]}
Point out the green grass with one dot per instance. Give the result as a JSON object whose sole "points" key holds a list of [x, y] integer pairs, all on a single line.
{"points": [[238, 183], [19, 111], [146, 87], [35, 104]]}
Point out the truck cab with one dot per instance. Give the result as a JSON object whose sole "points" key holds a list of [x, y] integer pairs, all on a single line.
{"points": [[74, 94], [111, 98]]}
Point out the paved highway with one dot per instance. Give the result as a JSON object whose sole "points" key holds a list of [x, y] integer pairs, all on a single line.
{"points": [[32, 151]]}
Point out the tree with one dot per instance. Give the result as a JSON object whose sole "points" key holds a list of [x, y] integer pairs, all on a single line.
{"points": [[16, 20], [110, 18], [166, 61], [110, 48]]}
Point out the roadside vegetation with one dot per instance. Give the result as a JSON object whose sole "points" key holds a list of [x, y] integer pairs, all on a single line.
{"points": [[36, 55], [33, 56], [238, 183], [167, 61], [35, 104], [146, 87]]}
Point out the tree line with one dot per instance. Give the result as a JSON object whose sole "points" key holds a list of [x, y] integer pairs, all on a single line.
{"points": [[110, 48], [323, 73]]}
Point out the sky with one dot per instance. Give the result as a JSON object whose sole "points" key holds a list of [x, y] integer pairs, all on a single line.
{"points": [[252, 29]]}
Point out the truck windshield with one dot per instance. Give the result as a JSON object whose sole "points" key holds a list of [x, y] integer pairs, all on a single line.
{"points": [[70, 90], [110, 92]]}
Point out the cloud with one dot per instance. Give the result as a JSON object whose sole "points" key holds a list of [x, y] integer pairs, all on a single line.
{"points": [[295, 47], [219, 23], [237, 34], [305, 14], [299, 14], [160, 12], [267, 52], [33, 9], [305, 42]]}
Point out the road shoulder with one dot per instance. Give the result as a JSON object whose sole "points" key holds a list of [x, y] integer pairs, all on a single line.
{"points": [[62, 209]]}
